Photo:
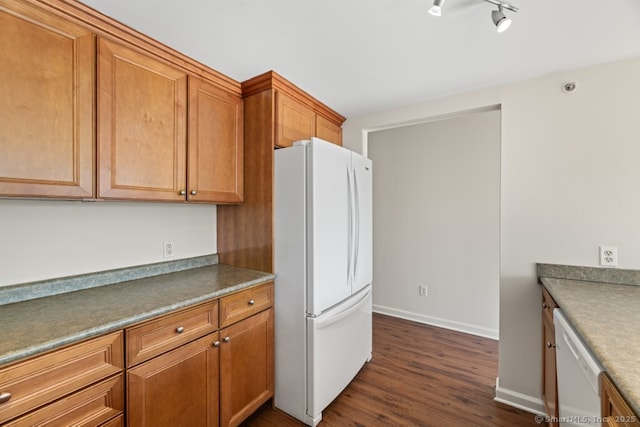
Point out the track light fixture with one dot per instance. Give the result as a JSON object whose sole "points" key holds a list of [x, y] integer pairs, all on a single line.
{"points": [[500, 20], [498, 17], [436, 9]]}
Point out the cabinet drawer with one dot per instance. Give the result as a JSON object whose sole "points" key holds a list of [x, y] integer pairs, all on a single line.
{"points": [[168, 332], [89, 407], [43, 379], [244, 304], [116, 422]]}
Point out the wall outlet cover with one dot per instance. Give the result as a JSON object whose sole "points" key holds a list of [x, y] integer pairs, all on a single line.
{"points": [[608, 256]]}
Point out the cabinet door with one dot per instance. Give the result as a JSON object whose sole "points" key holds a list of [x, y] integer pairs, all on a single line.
{"points": [[549, 381], [179, 388], [246, 367], [328, 130], [215, 144], [295, 121], [46, 107], [142, 130], [615, 410]]}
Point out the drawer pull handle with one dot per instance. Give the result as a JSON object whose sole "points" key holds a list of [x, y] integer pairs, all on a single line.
{"points": [[5, 397], [226, 339], [216, 343], [180, 329], [251, 302]]}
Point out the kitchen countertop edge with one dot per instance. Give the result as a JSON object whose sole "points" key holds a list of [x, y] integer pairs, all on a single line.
{"points": [[57, 338]]}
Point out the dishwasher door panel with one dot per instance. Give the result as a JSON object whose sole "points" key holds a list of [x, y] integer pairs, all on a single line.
{"points": [[578, 373]]}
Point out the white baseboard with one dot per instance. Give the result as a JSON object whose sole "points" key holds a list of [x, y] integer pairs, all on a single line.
{"points": [[519, 400], [436, 321]]}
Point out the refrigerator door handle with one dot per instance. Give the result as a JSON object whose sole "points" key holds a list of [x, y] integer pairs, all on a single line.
{"points": [[357, 224], [346, 312], [349, 228]]}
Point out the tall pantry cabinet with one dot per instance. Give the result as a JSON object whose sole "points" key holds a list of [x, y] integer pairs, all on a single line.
{"points": [[277, 113]]}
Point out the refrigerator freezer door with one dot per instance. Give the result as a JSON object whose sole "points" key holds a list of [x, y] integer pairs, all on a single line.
{"points": [[339, 344], [328, 225], [363, 244]]}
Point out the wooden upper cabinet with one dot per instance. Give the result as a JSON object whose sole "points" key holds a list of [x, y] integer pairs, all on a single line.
{"points": [[46, 107], [142, 129], [328, 130], [295, 121], [215, 149]]}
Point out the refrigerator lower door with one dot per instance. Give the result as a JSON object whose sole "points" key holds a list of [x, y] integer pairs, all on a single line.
{"points": [[339, 344]]}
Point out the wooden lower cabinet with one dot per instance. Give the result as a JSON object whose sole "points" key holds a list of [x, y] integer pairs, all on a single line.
{"points": [[549, 382], [615, 410], [217, 378], [176, 388], [549, 376], [246, 367]]}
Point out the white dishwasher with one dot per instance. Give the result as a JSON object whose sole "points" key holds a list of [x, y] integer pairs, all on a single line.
{"points": [[578, 377]]}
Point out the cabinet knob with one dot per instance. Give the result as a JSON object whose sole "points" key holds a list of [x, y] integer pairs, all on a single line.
{"points": [[549, 345], [216, 343], [4, 397], [226, 339], [194, 192], [183, 192], [251, 302], [180, 329], [544, 306]]}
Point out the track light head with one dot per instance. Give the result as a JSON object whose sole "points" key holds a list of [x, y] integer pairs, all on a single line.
{"points": [[500, 20], [436, 9]]}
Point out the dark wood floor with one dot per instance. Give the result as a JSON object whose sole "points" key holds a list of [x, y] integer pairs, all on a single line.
{"points": [[419, 376]]}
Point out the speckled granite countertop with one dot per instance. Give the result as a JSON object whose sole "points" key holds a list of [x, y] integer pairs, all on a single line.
{"points": [[607, 317], [38, 325]]}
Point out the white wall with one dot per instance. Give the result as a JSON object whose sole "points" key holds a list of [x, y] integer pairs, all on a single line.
{"points": [[44, 239], [570, 179], [436, 221]]}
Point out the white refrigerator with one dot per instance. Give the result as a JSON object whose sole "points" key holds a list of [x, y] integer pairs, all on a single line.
{"points": [[323, 266]]}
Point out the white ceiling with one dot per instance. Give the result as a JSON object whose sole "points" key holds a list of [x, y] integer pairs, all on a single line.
{"points": [[359, 56]]}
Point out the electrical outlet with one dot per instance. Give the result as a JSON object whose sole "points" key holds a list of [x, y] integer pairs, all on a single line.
{"points": [[608, 256], [169, 249], [423, 290]]}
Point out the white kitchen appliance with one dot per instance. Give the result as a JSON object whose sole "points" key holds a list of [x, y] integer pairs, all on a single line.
{"points": [[578, 375], [323, 266]]}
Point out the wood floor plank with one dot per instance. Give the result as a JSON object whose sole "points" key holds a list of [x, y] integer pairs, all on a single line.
{"points": [[419, 376]]}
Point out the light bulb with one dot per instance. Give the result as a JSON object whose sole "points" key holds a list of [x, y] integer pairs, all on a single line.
{"points": [[436, 9], [503, 24]]}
